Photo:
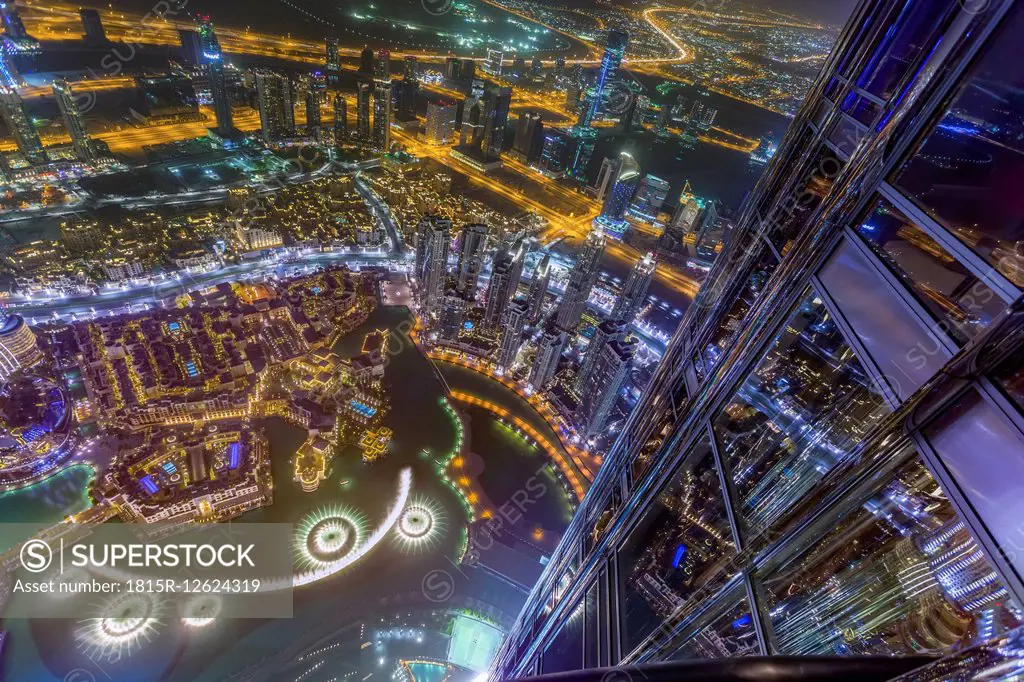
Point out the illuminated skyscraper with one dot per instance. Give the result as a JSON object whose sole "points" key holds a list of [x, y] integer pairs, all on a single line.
{"points": [[363, 89], [496, 107], [213, 58], [382, 67], [493, 64], [614, 50], [275, 101], [313, 119], [332, 58], [800, 477], [505, 276], [649, 198], [538, 289], [634, 291], [702, 114], [612, 329], [340, 120], [453, 315], [512, 334], [601, 388], [549, 354], [73, 122], [12, 109], [434, 237], [581, 280], [440, 126], [472, 241], [621, 192], [382, 110]]}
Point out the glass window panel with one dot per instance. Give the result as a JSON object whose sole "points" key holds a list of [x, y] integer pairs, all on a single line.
{"points": [[905, 351], [791, 217], [590, 650], [733, 320], [820, 112], [796, 416], [966, 174], [729, 635], [985, 454], [832, 89], [1011, 376], [565, 652], [846, 134], [960, 301], [861, 108], [898, 574], [682, 543], [905, 46]]}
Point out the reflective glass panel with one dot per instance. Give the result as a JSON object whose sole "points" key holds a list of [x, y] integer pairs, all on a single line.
{"points": [[729, 635], [789, 219], [984, 452], [796, 416], [967, 172], [898, 574], [959, 300], [905, 350], [911, 36], [733, 319], [846, 134], [565, 652], [681, 544]]}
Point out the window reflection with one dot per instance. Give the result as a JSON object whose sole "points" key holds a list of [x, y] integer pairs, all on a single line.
{"points": [[730, 324], [565, 652], [1011, 376], [681, 544], [731, 634], [816, 181], [913, 33], [900, 574], [967, 172], [796, 416], [958, 299]]}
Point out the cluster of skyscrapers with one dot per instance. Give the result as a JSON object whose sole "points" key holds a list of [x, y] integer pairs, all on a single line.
{"points": [[448, 298]]}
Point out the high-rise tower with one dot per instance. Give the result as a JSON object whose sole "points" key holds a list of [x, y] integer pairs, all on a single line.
{"points": [[73, 122], [12, 109], [634, 291], [213, 58], [581, 280], [549, 354], [538, 289], [275, 101], [472, 241]]}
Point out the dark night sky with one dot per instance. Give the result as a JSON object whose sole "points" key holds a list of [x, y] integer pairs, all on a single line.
{"points": [[829, 11]]}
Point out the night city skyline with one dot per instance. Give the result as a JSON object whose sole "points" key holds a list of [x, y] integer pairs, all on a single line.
{"points": [[477, 340]]}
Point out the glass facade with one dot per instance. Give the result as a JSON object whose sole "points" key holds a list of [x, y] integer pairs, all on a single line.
{"points": [[960, 302], [830, 457], [681, 544], [796, 416]]}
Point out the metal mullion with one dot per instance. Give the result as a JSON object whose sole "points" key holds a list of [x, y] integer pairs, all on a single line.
{"points": [[977, 265], [762, 624], [728, 488]]}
